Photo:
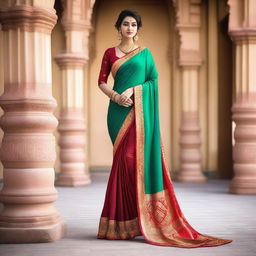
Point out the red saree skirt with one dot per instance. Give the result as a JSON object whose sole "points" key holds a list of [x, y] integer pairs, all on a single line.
{"points": [[119, 218]]}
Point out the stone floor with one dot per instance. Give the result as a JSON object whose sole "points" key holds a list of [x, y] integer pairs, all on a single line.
{"points": [[208, 207]]}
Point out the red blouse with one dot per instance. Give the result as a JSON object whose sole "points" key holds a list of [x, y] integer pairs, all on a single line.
{"points": [[108, 59]]}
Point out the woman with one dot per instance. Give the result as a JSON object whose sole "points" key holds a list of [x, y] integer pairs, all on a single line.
{"points": [[140, 199]]}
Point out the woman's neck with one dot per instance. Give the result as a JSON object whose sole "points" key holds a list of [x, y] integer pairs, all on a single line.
{"points": [[126, 43]]}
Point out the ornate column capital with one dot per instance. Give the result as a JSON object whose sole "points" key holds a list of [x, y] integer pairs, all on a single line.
{"points": [[242, 21], [188, 24], [77, 11], [71, 61], [28, 18], [76, 22]]}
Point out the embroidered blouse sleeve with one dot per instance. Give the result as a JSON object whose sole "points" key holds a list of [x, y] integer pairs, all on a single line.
{"points": [[105, 68]]}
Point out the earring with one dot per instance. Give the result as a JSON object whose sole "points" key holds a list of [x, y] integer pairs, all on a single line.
{"points": [[135, 38], [119, 35]]}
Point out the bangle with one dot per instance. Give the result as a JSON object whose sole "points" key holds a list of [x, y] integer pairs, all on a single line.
{"points": [[113, 95]]}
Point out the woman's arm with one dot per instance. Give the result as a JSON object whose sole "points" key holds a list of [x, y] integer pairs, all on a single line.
{"points": [[105, 89], [121, 100]]}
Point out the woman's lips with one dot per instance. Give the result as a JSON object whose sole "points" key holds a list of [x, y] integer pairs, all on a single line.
{"points": [[129, 33]]}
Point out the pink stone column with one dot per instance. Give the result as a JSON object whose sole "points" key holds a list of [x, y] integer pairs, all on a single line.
{"points": [[28, 146], [76, 20], [190, 142], [72, 128], [188, 24], [242, 29]]}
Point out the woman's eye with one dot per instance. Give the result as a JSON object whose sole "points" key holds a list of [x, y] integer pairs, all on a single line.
{"points": [[126, 24]]}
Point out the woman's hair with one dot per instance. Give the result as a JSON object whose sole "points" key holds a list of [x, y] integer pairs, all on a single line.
{"points": [[126, 13]]}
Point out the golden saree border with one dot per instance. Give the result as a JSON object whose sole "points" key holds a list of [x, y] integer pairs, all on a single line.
{"points": [[164, 159], [159, 221], [152, 208], [118, 63], [125, 125], [113, 229]]}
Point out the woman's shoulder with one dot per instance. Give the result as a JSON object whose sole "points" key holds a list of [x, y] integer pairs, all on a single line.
{"points": [[146, 50], [142, 47], [110, 49]]}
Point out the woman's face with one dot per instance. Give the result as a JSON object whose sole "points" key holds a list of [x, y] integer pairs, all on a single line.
{"points": [[128, 27]]}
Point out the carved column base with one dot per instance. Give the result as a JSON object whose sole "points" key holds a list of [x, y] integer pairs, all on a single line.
{"points": [[28, 153], [244, 150], [191, 174], [72, 178], [73, 169], [190, 155], [241, 185], [32, 234]]}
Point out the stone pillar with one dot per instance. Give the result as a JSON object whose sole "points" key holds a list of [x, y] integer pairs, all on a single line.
{"points": [[72, 126], [28, 146], [242, 29], [188, 26]]}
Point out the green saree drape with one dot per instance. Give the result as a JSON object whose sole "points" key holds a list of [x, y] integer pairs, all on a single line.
{"points": [[160, 218]]}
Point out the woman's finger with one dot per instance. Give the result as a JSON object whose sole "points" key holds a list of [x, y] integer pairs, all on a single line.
{"points": [[127, 104], [128, 100]]}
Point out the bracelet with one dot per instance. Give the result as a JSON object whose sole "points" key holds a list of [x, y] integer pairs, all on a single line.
{"points": [[114, 97], [111, 94]]}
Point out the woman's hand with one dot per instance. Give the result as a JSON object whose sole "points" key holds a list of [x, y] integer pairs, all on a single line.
{"points": [[125, 97], [119, 99]]}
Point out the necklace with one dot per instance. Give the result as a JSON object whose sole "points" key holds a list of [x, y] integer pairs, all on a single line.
{"points": [[123, 51]]}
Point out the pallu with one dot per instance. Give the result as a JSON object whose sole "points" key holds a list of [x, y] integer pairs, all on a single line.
{"points": [[140, 198]]}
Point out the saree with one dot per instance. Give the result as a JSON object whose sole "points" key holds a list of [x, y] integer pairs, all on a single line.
{"points": [[140, 198]]}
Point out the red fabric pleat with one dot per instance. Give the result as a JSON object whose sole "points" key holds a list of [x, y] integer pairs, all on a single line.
{"points": [[120, 199]]}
